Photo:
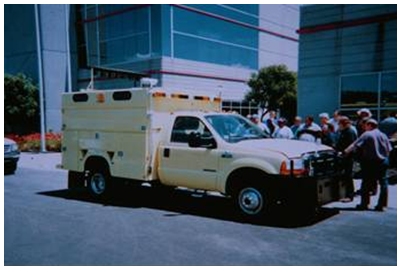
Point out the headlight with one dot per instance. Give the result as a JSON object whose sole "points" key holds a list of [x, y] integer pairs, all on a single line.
{"points": [[14, 147], [293, 167]]}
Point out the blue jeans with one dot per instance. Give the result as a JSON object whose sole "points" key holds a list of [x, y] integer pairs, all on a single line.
{"points": [[372, 173]]}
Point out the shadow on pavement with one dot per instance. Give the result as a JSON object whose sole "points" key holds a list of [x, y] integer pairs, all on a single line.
{"points": [[182, 202]]}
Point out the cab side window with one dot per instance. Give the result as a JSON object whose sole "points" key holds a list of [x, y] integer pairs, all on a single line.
{"points": [[184, 126]]}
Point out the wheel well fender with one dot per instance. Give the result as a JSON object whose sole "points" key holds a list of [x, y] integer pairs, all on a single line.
{"points": [[243, 175], [97, 162]]}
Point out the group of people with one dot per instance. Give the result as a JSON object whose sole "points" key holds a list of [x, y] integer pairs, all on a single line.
{"points": [[364, 140]]}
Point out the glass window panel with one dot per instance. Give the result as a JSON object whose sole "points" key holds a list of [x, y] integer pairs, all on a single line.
{"points": [[359, 91], [92, 43], [384, 113], [254, 9], [208, 27], [123, 50], [184, 126], [230, 13], [124, 24], [107, 9], [208, 51], [226, 104], [389, 90]]}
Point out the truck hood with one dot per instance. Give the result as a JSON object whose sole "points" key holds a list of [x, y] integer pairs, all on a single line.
{"points": [[289, 148]]}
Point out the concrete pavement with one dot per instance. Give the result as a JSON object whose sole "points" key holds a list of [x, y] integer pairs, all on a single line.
{"points": [[51, 161]]}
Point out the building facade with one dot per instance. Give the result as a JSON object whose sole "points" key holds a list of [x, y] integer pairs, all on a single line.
{"points": [[211, 49], [347, 59]]}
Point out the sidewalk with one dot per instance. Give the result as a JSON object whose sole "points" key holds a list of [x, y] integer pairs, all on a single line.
{"points": [[50, 161], [392, 198]]}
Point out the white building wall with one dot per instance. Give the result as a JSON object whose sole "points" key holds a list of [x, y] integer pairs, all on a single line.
{"points": [[273, 50], [230, 90], [54, 60]]}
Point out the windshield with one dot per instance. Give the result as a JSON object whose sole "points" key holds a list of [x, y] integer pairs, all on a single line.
{"points": [[235, 128]]}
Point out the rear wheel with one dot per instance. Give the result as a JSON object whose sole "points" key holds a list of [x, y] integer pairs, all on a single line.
{"points": [[99, 182]]}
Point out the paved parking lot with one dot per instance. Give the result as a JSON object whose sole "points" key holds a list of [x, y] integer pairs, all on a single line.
{"points": [[45, 224]]}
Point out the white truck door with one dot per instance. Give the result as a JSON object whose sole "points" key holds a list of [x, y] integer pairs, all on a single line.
{"points": [[182, 165]]}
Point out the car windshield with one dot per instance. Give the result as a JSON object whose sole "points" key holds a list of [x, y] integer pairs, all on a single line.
{"points": [[235, 128]]}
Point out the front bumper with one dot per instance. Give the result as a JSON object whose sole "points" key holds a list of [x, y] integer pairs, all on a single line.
{"points": [[307, 191], [11, 156], [11, 160]]}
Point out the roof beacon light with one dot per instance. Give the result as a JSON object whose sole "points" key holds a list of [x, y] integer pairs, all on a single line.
{"points": [[148, 82]]}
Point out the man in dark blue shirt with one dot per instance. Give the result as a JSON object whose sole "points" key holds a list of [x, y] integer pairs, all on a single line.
{"points": [[375, 149]]}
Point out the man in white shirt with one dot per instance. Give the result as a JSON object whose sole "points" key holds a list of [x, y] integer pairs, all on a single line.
{"points": [[283, 131], [260, 124], [310, 131]]}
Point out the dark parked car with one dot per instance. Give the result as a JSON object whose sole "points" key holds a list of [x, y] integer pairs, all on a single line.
{"points": [[11, 156]]}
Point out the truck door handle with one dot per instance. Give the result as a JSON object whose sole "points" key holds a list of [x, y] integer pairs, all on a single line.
{"points": [[226, 155], [166, 153]]}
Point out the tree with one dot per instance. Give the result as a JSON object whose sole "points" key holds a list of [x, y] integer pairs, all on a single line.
{"points": [[274, 86], [21, 104]]}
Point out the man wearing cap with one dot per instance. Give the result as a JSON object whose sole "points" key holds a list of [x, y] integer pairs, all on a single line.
{"points": [[283, 132], [328, 130], [375, 148], [363, 114]]}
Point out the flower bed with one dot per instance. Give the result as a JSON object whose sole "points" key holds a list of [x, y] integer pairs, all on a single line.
{"points": [[31, 142]]}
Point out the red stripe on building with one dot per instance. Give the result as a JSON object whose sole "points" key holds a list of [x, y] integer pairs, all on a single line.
{"points": [[175, 73], [349, 23]]}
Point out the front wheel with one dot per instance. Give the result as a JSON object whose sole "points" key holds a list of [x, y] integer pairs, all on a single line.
{"points": [[252, 201]]}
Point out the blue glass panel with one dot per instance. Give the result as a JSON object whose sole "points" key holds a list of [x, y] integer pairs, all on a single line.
{"points": [[92, 43], [254, 9], [165, 30], [107, 9], [389, 89], [230, 13], [125, 49], [135, 21], [207, 51], [359, 91], [156, 30], [204, 26]]}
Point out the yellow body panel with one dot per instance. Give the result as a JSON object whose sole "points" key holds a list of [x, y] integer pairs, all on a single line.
{"points": [[125, 132]]}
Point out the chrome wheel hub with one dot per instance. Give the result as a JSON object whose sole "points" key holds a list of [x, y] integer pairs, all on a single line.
{"points": [[98, 183], [250, 201]]}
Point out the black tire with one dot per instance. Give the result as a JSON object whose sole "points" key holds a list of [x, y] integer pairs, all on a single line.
{"points": [[76, 180], [98, 183], [252, 200]]}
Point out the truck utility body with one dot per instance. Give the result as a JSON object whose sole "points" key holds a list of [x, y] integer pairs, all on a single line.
{"points": [[179, 140]]}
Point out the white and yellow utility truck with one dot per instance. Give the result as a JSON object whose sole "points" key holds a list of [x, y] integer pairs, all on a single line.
{"points": [[152, 136]]}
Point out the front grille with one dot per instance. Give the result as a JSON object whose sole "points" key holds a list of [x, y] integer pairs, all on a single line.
{"points": [[7, 148], [322, 164]]}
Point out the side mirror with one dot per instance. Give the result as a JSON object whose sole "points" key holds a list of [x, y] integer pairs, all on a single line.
{"points": [[196, 140]]}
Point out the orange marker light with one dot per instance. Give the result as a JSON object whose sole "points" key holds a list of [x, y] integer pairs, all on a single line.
{"points": [[100, 98]]}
